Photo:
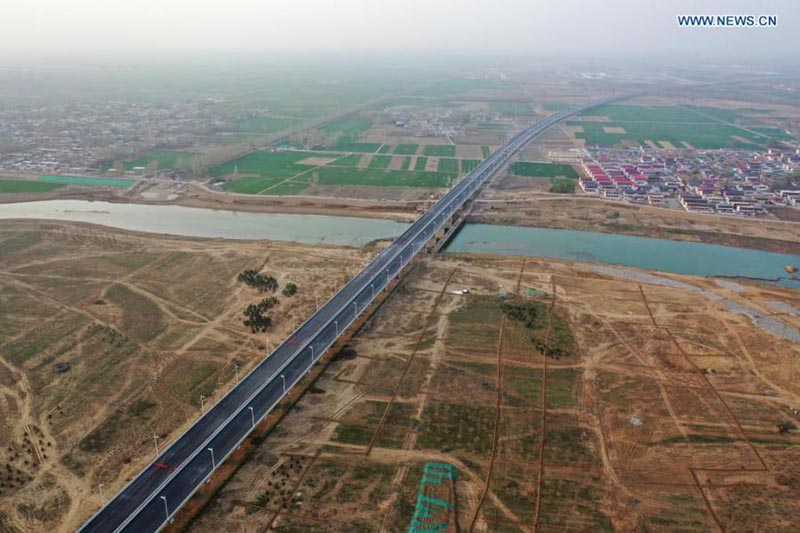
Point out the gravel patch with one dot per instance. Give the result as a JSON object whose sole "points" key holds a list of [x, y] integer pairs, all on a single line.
{"points": [[766, 323], [730, 285], [783, 307], [642, 277]]}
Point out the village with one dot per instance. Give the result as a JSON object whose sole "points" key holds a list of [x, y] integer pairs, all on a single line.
{"points": [[81, 137], [725, 182]]}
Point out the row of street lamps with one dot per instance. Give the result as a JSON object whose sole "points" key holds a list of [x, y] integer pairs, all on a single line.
{"points": [[250, 407]]}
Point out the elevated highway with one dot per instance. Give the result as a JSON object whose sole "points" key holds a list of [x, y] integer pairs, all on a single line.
{"points": [[150, 499]]}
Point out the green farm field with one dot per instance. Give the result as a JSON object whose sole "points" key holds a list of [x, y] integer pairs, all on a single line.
{"points": [[265, 124], [380, 161], [448, 165], [512, 108], [440, 150], [351, 127], [352, 146], [455, 86], [468, 164], [80, 180], [18, 186], [282, 172], [406, 149], [266, 163], [704, 136], [700, 127], [379, 177], [543, 170]]}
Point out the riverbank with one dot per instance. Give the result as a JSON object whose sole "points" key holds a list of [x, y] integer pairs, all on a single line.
{"points": [[192, 194], [523, 209], [593, 214]]}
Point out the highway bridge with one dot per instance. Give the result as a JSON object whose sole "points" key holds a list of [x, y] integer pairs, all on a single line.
{"points": [[149, 500]]}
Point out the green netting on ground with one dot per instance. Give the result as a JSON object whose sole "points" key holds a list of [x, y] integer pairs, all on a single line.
{"points": [[534, 293], [432, 514]]}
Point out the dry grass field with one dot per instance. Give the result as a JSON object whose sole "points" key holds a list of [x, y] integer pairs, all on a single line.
{"points": [[146, 324], [567, 397]]}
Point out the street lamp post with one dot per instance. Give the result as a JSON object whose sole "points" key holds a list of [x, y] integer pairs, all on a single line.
{"points": [[202, 404], [355, 310], [102, 494], [155, 442], [311, 347], [166, 509], [336, 324], [372, 286], [236, 369], [252, 415], [283, 378], [213, 461]]}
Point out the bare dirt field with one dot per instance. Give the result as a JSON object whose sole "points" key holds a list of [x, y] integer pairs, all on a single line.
{"points": [[566, 396], [511, 204], [110, 337]]}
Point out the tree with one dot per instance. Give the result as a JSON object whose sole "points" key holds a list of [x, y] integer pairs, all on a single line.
{"points": [[267, 303], [152, 168], [255, 319], [257, 280], [562, 185], [290, 289]]}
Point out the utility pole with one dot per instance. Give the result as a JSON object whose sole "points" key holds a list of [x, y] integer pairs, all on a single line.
{"points": [[155, 442]]}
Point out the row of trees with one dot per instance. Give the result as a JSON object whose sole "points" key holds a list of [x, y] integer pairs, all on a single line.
{"points": [[259, 281], [255, 318]]}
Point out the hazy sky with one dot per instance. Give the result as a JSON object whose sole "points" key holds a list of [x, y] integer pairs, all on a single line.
{"points": [[634, 28]]}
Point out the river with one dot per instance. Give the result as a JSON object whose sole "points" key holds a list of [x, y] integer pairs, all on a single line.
{"points": [[680, 257], [642, 252], [211, 223]]}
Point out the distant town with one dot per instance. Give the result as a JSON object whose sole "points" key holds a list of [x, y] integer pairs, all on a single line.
{"points": [[82, 137]]}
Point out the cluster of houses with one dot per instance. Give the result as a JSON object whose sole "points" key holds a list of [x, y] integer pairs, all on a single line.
{"points": [[74, 138], [729, 182], [438, 122]]}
